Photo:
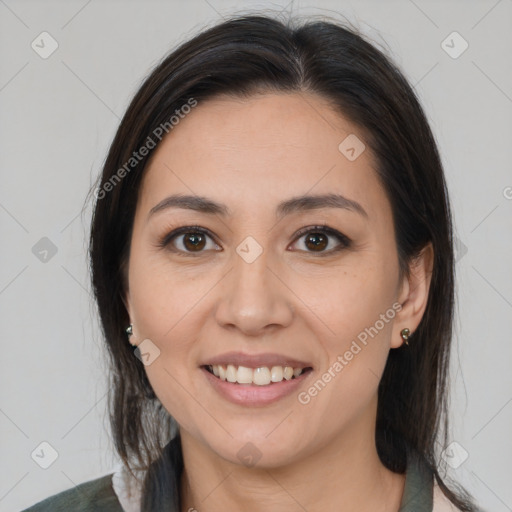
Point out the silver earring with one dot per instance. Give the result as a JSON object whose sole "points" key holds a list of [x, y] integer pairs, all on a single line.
{"points": [[129, 332]]}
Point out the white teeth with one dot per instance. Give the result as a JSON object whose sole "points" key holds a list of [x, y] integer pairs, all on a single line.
{"points": [[262, 376], [231, 373], [277, 373], [244, 375]]}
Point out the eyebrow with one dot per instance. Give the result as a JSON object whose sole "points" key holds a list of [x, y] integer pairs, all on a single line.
{"points": [[294, 205]]}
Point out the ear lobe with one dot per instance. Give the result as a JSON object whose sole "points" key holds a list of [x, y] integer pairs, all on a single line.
{"points": [[414, 295]]}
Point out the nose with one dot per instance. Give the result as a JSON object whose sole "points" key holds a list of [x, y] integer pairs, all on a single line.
{"points": [[254, 298]]}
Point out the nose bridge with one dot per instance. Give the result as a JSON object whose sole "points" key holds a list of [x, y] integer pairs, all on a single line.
{"points": [[253, 298]]}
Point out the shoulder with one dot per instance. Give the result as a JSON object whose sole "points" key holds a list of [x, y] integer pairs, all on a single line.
{"points": [[97, 494]]}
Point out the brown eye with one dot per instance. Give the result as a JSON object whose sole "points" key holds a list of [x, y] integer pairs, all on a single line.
{"points": [[321, 240], [189, 240], [194, 241], [316, 241]]}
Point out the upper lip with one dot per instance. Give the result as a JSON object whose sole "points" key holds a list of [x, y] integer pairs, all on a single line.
{"points": [[255, 360]]}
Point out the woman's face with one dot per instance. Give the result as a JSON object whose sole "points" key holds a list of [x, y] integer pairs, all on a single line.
{"points": [[246, 285]]}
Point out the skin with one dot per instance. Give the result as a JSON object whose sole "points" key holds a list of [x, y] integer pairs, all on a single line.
{"points": [[251, 154]]}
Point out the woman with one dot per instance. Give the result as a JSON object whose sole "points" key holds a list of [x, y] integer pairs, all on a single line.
{"points": [[272, 235]]}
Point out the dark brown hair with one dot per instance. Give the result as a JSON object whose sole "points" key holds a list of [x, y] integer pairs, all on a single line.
{"points": [[242, 56]]}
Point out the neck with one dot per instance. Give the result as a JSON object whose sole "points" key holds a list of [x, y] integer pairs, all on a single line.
{"points": [[344, 474]]}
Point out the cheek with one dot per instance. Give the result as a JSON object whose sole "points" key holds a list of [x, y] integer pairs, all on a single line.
{"points": [[356, 317], [357, 346], [170, 380], [164, 313], [162, 296], [352, 299], [160, 307], [168, 307]]}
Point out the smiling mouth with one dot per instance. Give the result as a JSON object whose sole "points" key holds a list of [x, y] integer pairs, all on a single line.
{"points": [[261, 376]]}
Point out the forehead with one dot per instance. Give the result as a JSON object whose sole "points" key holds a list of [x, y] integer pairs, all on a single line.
{"points": [[263, 146], [298, 122]]}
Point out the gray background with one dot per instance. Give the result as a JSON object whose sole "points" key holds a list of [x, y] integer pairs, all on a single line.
{"points": [[58, 116]]}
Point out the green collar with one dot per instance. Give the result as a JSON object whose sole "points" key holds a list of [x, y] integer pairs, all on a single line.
{"points": [[418, 490]]}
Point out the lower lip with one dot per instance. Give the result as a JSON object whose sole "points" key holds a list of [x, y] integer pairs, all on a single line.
{"points": [[252, 394]]}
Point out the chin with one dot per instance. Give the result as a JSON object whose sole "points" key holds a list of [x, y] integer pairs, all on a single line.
{"points": [[258, 451]]}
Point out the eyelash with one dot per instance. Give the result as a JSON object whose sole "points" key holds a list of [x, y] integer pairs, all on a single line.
{"points": [[344, 241]]}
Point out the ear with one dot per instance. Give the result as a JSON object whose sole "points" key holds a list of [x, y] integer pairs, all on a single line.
{"points": [[125, 294], [413, 295], [127, 304], [126, 301]]}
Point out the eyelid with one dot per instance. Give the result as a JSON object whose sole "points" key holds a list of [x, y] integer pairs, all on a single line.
{"points": [[320, 227], [165, 241], [344, 241]]}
